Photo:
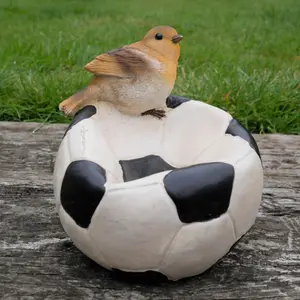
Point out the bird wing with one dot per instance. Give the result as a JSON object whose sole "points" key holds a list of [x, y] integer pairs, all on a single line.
{"points": [[122, 62]]}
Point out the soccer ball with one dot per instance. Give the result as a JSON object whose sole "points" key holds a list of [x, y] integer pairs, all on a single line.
{"points": [[141, 194]]}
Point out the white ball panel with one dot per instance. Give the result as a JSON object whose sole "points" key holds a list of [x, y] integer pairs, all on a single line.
{"points": [[62, 160], [129, 137], [197, 247], [190, 129], [134, 226], [228, 149], [86, 141], [76, 139], [82, 239], [246, 192], [141, 182], [98, 150]]}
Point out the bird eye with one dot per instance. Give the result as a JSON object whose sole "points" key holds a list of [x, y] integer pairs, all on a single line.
{"points": [[158, 36]]}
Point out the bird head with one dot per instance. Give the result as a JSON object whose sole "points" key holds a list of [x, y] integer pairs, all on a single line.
{"points": [[165, 40]]}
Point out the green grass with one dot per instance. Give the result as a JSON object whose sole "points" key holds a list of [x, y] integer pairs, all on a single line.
{"points": [[239, 55]]}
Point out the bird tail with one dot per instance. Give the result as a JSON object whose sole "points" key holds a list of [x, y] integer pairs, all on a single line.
{"points": [[77, 101]]}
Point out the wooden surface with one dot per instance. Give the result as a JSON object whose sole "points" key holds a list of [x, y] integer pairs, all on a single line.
{"points": [[38, 261]]}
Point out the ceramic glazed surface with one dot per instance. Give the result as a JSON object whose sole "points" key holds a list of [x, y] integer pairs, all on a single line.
{"points": [[170, 195]]}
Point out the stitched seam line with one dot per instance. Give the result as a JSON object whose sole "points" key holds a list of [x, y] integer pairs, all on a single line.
{"points": [[168, 248], [233, 224], [123, 187], [105, 259], [206, 148]]}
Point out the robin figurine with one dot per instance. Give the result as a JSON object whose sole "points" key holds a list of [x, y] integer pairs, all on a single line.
{"points": [[136, 78]]}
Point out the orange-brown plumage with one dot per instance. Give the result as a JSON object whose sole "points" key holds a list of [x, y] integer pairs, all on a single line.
{"points": [[135, 78]]}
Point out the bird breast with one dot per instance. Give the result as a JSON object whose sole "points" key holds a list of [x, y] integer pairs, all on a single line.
{"points": [[146, 92]]}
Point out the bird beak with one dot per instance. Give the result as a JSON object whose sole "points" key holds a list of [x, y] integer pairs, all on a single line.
{"points": [[177, 38]]}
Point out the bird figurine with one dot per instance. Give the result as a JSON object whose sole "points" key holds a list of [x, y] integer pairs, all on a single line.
{"points": [[135, 78]]}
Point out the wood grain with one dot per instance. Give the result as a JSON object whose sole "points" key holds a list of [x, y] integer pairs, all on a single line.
{"points": [[38, 261]]}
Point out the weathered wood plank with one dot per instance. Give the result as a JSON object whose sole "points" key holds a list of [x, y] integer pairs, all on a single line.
{"points": [[38, 261], [34, 155]]}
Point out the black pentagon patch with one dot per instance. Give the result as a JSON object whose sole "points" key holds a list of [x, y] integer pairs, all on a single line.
{"points": [[174, 101], [85, 113], [82, 190], [235, 128], [143, 166], [201, 192]]}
